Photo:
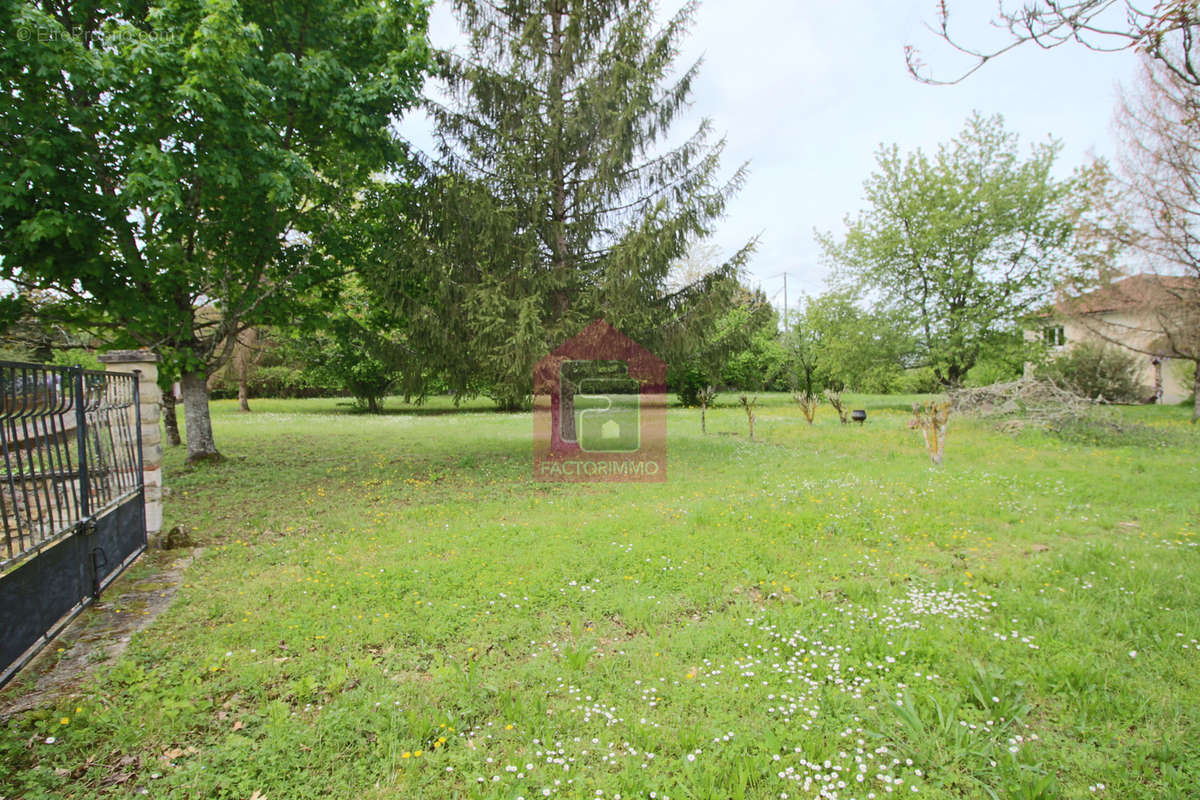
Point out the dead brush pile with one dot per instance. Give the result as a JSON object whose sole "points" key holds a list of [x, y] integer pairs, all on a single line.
{"points": [[1023, 403]]}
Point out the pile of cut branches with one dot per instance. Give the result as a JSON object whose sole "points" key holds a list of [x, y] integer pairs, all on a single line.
{"points": [[1021, 404]]}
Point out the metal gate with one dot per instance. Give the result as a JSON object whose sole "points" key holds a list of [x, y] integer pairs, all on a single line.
{"points": [[71, 497]]}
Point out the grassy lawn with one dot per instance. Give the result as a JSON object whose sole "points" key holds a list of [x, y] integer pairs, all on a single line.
{"points": [[391, 607]]}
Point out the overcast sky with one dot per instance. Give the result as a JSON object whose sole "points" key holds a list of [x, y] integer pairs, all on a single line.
{"points": [[806, 91]]}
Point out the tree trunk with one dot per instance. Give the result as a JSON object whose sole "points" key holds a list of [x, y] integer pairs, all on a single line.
{"points": [[703, 408], [1196, 397], [749, 406], [170, 420], [243, 396], [200, 444]]}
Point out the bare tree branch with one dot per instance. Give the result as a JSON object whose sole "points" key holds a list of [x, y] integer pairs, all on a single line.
{"points": [[1164, 31]]}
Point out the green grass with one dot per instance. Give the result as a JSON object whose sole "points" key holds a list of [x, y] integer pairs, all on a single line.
{"points": [[391, 607]]}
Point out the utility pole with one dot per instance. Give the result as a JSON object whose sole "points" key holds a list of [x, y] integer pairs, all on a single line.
{"points": [[785, 299], [785, 305]]}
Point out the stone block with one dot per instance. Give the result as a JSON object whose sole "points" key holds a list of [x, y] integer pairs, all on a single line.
{"points": [[151, 435]]}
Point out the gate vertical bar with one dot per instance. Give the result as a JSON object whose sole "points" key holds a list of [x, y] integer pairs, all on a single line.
{"points": [[140, 475], [137, 412], [89, 563], [81, 436]]}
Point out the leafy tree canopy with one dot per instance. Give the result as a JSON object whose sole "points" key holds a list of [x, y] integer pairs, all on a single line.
{"points": [[552, 202], [962, 242], [178, 169]]}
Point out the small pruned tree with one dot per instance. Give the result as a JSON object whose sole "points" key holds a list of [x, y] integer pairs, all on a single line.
{"points": [[932, 418], [834, 398], [705, 397], [808, 403], [749, 401]]}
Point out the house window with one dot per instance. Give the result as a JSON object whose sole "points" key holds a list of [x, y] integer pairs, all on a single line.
{"points": [[1054, 336]]}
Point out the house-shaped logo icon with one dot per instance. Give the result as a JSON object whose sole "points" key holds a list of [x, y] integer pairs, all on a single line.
{"points": [[600, 410]]}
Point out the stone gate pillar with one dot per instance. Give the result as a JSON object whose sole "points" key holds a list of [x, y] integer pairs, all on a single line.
{"points": [[145, 363]]}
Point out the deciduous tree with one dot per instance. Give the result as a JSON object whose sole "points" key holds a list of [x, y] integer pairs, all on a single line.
{"points": [[179, 168], [961, 242], [1159, 177]]}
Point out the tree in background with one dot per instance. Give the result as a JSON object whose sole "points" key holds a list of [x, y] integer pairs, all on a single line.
{"points": [[836, 344], [1160, 170], [28, 331], [360, 348], [179, 169], [552, 204], [754, 358], [1003, 357], [166, 386], [961, 243], [247, 353], [724, 352]]}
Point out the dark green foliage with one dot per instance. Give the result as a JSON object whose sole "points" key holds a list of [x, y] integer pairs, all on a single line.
{"points": [[836, 344], [278, 381], [1098, 371], [180, 170], [29, 331], [360, 349], [1002, 358], [740, 349], [743, 350], [688, 381], [919, 380], [551, 204], [77, 356], [758, 367]]}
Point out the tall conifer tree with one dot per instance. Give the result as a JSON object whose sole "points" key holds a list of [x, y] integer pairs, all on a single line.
{"points": [[551, 203]]}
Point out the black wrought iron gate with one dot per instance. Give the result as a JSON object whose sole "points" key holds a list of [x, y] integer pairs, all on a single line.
{"points": [[71, 499]]}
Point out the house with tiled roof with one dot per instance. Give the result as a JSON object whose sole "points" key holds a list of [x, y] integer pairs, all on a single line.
{"points": [[1144, 313]]}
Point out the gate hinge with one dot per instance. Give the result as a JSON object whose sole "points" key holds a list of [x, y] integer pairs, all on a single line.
{"points": [[88, 526]]}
